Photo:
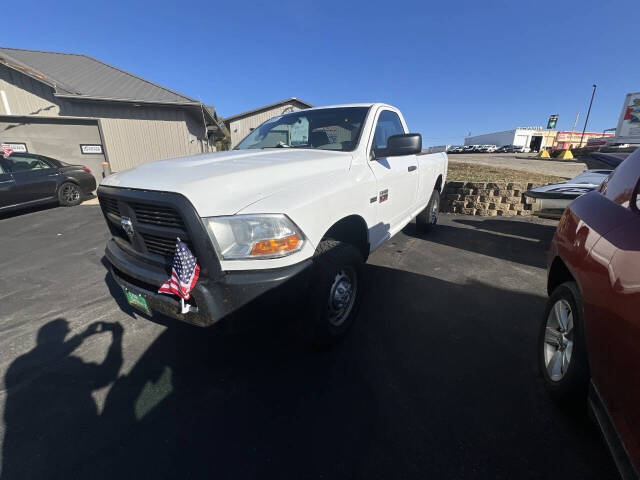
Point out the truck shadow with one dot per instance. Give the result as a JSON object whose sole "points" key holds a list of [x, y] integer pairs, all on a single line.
{"points": [[516, 241], [435, 378]]}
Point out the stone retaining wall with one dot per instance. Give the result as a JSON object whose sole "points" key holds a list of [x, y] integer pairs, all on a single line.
{"points": [[487, 199]]}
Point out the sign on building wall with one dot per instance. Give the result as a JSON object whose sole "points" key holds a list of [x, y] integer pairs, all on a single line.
{"points": [[17, 147], [629, 122], [553, 120], [91, 149]]}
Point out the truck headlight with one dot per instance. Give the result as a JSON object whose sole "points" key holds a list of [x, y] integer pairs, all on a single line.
{"points": [[254, 236]]}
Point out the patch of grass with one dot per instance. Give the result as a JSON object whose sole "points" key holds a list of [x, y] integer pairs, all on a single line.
{"points": [[474, 172]]}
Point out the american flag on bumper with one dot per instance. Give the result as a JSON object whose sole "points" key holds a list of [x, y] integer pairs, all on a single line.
{"points": [[184, 275]]}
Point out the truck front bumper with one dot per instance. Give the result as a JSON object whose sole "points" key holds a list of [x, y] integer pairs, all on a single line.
{"points": [[214, 299]]}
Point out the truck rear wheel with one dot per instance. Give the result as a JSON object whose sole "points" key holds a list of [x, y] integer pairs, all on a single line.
{"points": [[428, 218], [336, 291]]}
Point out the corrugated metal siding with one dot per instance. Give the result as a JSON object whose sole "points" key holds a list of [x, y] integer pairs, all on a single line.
{"points": [[135, 141], [25, 95], [132, 135], [242, 127], [135, 135]]}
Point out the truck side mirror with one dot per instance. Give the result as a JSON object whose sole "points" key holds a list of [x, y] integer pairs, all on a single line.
{"points": [[398, 145]]}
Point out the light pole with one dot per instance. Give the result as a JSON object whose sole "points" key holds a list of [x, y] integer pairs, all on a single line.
{"points": [[586, 120]]}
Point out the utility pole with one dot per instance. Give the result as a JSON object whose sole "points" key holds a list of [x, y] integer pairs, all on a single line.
{"points": [[573, 129], [586, 120]]}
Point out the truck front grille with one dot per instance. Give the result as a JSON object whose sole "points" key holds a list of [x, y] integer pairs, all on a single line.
{"points": [[157, 215], [158, 219], [110, 205], [161, 245], [156, 227]]}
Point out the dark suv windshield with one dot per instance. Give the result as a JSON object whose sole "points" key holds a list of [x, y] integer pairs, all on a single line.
{"points": [[325, 129]]}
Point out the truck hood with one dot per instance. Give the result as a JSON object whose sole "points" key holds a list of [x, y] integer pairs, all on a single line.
{"points": [[226, 182]]}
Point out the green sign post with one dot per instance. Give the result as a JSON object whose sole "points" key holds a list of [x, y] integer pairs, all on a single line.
{"points": [[551, 124]]}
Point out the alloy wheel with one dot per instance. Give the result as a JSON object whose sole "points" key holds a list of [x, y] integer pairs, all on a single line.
{"points": [[558, 340], [70, 193]]}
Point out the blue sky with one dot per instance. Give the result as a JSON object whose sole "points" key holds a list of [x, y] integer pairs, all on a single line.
{"points": [[452, 67]]}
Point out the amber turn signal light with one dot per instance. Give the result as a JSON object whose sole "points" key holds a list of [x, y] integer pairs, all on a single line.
{"points": [[275, 245]]}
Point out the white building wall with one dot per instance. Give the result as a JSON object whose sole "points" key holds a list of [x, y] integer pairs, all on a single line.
{"points": [[522, 138], [497, 138]]}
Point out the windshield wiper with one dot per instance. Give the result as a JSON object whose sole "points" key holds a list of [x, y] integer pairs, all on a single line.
{"points": [[286, 145]]}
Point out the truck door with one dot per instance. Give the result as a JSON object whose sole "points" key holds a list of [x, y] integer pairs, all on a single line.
{"points": [[397, 177]]}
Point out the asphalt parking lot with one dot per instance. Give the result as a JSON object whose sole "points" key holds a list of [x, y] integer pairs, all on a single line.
{"points": [[436, 380]]}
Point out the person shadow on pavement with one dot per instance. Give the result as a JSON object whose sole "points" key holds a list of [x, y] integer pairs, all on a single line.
{"points": [[50, 415]]}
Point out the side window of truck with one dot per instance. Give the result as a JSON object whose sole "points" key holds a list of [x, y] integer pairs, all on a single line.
{"points": [[388, 124]]}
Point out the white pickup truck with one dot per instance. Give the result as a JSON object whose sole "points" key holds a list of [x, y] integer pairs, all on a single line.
{"points": [[301, 201]]}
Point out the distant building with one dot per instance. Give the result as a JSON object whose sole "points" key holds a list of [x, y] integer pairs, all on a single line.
{"points": [[531, 137], [534, 138], [242, 124], [568, 140], [80, 110]]}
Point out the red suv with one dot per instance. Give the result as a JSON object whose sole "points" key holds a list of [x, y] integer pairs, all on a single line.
{"points": [[589, 343]]}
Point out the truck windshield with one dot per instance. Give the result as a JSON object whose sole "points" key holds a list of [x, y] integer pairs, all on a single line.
{"points": [[325, 129]]}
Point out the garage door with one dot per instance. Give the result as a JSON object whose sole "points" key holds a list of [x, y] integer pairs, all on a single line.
{"points": [[74, 141]]}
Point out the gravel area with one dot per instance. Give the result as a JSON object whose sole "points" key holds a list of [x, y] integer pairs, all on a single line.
{"points": [[527, 162]]}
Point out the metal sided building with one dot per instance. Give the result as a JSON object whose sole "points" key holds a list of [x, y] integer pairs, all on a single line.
{"points": [[242, 124], [534, 138], [79, 110]]}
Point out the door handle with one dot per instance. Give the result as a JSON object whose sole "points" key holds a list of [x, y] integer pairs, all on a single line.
{"points": [[412, 168]]}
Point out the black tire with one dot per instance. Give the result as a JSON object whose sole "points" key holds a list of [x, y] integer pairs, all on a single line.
{"points": [[69, 194], [427, 219], [335, 266], [573, 383]]}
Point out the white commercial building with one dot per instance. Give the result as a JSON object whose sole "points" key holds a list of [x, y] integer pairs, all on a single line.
{"points": [[530, 137]]}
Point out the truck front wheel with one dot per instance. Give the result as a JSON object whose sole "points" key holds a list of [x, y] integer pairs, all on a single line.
{"points": [[335, 292], [427, 219]]}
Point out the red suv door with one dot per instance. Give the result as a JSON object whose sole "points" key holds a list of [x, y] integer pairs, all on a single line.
{"points": [[621, 342], [614, 329]]}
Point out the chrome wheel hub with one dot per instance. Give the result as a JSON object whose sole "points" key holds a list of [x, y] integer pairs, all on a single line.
{"points": [[342, 296], [558, 340], [70, 193], [434, 210]]}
